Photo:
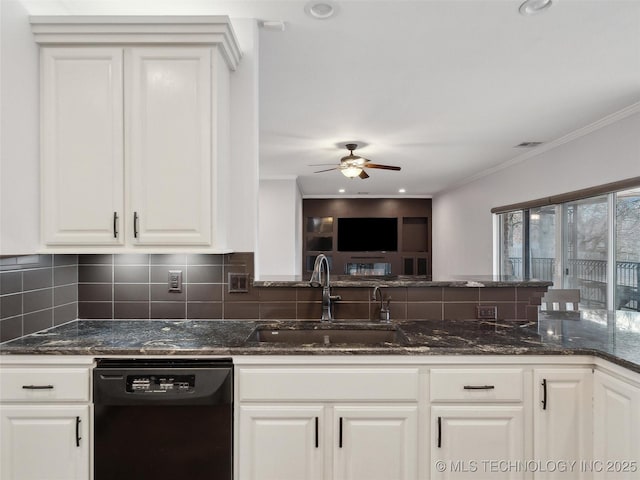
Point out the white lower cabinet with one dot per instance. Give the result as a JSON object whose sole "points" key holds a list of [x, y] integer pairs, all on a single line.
{"points": [[562, 416], [327, 423], [294, 442], [281, 442], [477, 441], [477, 422], [616, 428], [45, 418], [301, 419], [44, 442], [375, 442]]}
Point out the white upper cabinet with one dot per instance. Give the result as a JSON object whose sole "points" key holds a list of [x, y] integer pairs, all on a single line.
{"points": [[169, 144], [135, 114], [82, 146]]}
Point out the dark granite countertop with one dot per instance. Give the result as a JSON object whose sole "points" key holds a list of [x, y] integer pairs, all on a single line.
{"points": [[614, 336], [403, 281]]}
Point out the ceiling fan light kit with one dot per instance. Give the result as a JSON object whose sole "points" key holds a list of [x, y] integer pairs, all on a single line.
{"points": [[353, 166], [351, 171]]}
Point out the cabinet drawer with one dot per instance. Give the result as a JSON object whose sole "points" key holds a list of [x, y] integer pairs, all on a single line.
{"points": [[326, 384], [44, 384], [477, 385]]}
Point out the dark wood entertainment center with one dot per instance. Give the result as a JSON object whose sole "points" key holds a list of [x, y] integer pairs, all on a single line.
{"points": [[321, 235]]}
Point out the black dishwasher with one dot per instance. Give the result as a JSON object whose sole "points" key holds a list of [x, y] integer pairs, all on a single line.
{"points": [[163, 419]]}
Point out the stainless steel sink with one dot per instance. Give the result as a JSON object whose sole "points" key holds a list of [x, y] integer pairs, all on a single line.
{"points": [[329, 335]]}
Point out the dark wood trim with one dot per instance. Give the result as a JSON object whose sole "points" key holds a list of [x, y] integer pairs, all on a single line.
{"points": [[571, 196]]}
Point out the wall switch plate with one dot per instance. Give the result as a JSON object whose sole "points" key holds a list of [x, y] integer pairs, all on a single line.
{"points": [[175, 281], [487, 312], [238, 282]]}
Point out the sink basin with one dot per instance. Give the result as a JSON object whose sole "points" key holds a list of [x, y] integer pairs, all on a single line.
{"points": [[328, 335]]}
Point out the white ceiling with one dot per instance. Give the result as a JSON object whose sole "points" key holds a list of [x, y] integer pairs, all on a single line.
{"points": [[443, 88]]}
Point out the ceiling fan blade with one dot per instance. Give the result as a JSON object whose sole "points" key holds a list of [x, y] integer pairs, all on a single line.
{"points": [[327, 170], [320, 164], [363, 175], [383, 167]]}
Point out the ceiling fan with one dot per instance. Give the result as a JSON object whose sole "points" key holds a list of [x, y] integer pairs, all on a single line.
{"points": [[353, 166]]}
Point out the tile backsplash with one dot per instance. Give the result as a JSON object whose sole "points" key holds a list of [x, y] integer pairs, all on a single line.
{"points": [[136, 285], [41, 291], [37, 292]]}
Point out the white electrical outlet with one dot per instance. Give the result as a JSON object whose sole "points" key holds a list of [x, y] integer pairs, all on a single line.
{"points": [[487, 312], [175, 281]]}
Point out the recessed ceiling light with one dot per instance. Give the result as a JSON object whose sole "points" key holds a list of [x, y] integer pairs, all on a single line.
{"points": [[402, 190], [320, 10], [531, 7], [341, 190]]}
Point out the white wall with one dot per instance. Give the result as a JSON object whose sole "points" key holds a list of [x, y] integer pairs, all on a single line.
{"points": [[462, 222], [279, 227], [242, 210], [19, 132]]}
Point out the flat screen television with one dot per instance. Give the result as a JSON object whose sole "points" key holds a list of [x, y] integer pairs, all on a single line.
{"points": [[368, 234]]}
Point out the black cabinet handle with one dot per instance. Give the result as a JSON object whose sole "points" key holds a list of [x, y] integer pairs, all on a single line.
{"points": [[115, 224], [37, 387], [316, 432], [544, 394], [479, 387], [78, 437], [340, 435], [439, 432], [135, 224]]}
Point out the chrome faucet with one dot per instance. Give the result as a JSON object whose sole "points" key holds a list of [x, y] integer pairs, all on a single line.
{"points": [[319, 280], [385, 314]]}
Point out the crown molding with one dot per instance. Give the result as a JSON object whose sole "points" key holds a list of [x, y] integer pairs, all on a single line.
{"points": [[570, 137], [139, 30]]}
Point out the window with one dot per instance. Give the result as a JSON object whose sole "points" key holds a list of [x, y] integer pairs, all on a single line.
{"points": [[586, 250], [542, 243], [591, 244], [627, 250], [511, 244]]}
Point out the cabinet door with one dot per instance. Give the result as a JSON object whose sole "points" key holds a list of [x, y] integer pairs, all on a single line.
{"points": [[615, 429], [82, 146], [281, 442], [169, 135], [41, 442], [562, 419], [375, 442], [477, 441]]}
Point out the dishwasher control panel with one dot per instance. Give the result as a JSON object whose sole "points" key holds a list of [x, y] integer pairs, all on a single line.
{"points": [[160, 383]]}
